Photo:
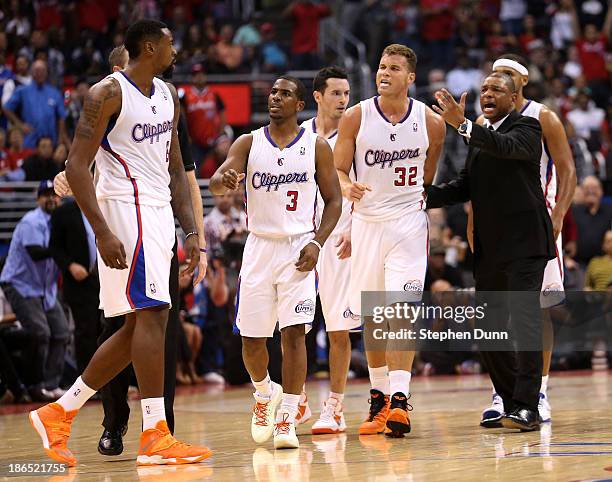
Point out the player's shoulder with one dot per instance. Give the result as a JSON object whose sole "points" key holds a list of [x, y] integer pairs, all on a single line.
{"points": [[108, 87], [245, 141], [351, 120], [173, 91], [549, 119]]}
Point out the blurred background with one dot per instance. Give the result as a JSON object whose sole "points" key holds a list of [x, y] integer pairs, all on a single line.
{"points": [[229, 53]]}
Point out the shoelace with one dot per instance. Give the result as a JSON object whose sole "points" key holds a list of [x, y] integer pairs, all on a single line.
{"points": [[261, 413], [409, 407], [376, 405], [61, 428], [282, 427]]}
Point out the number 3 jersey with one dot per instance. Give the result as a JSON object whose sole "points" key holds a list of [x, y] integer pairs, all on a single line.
{"points": [[390, 159], [281, 189]]}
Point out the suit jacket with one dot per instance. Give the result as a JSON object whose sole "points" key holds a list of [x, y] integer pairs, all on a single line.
{"points": [[69, 244], [501, 177]]}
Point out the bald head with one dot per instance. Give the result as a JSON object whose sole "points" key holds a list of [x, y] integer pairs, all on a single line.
{"points": [[39, 71], [592, 192], [507, 80]]}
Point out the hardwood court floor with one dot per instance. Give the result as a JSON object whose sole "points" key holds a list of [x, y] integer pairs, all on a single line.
{"points": [[446, 443]]}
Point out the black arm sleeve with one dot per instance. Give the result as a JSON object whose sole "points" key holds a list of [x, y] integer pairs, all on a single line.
{"points": [[38, 253], [185, 144], [522, 142], [453, 192]]}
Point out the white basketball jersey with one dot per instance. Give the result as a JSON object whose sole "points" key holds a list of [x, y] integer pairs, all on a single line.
{"points": [[344, 223], [132, 161], [548, 172], [281, 190], [390, 159]]}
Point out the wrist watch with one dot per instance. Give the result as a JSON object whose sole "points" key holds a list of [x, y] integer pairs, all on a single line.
{"points": [[463, 127]]}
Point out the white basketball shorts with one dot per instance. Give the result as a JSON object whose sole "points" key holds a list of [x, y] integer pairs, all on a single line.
{"points": [[553, 293], [271, 289], [148, 235], [334, 281], [389, 256]]}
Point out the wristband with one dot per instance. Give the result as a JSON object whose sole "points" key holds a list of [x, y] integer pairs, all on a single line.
{"points": [[316, 243], [191, 233]]}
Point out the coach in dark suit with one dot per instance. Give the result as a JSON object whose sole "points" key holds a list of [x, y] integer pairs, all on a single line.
{"points": [[73, 247], [513, 237]]}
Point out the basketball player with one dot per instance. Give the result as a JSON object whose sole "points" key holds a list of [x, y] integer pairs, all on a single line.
{"points": [[395, 142], [558, 179], [331, 93], [283, 165], [114, 394], [129, 125]]}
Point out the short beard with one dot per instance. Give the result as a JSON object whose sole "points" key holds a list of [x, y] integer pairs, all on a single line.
{"points": [[167, 74]]}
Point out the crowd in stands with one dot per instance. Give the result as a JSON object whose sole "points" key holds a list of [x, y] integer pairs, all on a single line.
{"points": [[51, 51]]}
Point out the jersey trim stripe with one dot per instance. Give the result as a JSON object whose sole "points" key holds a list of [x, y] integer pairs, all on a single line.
{"points": [[549, 170], [138, 88], [382, 114], [271, 141], [525, 107], [314, 129], [235, 328], [314, 214], [136, 285]]}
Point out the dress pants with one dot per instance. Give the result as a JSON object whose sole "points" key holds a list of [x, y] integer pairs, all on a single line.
{"points": [[511, 291]]}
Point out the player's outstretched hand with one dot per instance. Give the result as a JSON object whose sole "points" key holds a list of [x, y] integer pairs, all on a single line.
{"points": [[355, 191], [231, 179], [192, 250], [344, 243], [308, 258], [112, 251], [61, 186]]}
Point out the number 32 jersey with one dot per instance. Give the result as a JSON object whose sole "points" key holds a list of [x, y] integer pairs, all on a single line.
{"points": [[390, 159], [281, 189]]}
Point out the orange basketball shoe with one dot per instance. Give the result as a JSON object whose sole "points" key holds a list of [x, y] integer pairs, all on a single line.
{"points": [[377, 418], [159, 447], [398, 421], [52, 423]]}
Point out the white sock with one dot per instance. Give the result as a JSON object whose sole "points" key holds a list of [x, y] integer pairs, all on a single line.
{"points": [[379, 379], [544, 386], [494, 392], [76, 397], [288, 405], [264, 387], [399, 381], [153, 411], [337, 396]]}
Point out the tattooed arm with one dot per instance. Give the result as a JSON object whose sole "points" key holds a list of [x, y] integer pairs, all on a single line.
{"points": [[179, 189], [103, 101]]}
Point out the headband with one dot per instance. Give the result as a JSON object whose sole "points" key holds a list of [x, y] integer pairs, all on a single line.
{"points": [[512, 64]]}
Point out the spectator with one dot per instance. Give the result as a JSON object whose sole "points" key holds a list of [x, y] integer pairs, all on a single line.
{"points": [[41, 109], [29, 281], [190, 338], [464, 77], [223, 220], [529, 33], [573, 67], [273, 58], [562, 32], [586, 117], [205, 113], [38, 49], [438, 29], [227, 54], [87, 59], [306, 17], [15, 156], [6, 74], [593, 219], [438, 269], [580, 151], [41, 165], [247, 35], [592, 48], [75, 106], [22, 77], [599, 270], [511, 15]]}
